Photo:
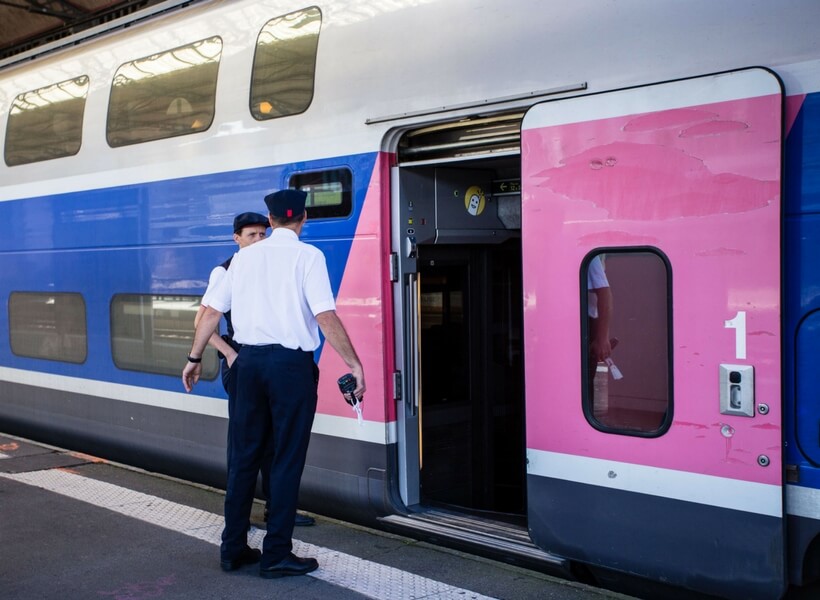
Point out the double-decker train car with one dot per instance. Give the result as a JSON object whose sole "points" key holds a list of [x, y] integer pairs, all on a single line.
{"points": [[467, 165]]}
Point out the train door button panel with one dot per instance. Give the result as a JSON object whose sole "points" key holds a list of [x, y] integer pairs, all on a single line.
{"points": [[737, 395]]}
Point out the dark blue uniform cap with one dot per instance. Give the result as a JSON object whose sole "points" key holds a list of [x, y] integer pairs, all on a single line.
{"points": [[249, 218], [286, 203]]}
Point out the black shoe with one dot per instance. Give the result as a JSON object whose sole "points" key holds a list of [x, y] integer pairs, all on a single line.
{"points": [[248, 556], [303, 520], [290, 565]]}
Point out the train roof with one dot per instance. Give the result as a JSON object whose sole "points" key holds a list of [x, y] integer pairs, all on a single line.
{"points": [[29, 26]]}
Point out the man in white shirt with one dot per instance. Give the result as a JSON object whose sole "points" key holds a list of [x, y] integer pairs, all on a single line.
{"points": [[248, 228], [599, 309], [279, 294]]}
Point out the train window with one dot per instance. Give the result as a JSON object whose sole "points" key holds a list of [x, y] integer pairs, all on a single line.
{"points": [[627, 342], [164, 95], [46, 325], [153, 334], [46, 123], [330, 193], [284, 65]]}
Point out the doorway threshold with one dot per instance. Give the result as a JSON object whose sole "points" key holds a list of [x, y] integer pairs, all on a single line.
{"points": [[505, 542]]}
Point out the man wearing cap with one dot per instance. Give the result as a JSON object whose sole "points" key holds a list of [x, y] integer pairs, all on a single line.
{"points": [[279, 294], [248, 228]]}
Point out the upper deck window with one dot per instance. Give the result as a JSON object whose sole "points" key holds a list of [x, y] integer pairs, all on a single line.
{"points": [[164, 95], [285, 64], [46, 123]]}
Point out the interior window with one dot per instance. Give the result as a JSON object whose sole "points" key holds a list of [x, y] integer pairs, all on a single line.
{"points": [[164, 95], [46, 123], [154, 334], [284, 65], [627, 357], [51, 326]]}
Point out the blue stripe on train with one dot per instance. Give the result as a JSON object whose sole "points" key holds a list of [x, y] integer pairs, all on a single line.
{"points": [[802, 292], [159, 238]]}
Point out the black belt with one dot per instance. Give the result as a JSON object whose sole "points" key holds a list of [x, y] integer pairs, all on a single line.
{"points": [[274, 347]]}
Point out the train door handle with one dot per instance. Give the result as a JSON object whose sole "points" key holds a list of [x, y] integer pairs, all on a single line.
{"points": [[737, 390]]}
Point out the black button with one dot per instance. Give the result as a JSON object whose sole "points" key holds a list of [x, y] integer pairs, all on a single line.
{"points": [[734, 377]]}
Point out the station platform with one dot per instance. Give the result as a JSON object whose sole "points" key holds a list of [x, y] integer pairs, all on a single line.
{"points": [[74, 526]]}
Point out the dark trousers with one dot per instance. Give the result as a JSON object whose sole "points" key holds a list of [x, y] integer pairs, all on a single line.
{"points": [[229, 383], [275, 400]]}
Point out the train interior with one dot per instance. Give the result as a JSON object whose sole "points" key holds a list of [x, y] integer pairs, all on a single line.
{"points": [[457, 231]]}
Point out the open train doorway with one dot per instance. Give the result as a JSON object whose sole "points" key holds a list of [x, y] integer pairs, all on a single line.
{"points": [[457, 238], [471, 416]]}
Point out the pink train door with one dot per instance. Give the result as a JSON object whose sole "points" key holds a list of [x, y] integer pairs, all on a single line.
{"points": [[651, 276]]}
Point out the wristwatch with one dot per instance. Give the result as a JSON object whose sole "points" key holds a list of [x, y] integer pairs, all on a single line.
{"points": [[191, 359]]}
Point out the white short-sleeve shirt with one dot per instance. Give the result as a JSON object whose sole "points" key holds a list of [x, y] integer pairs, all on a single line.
{"points": [[274, 290], [217, 274], [596, 279]]}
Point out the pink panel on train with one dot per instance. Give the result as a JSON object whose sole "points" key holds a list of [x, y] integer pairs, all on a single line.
{"points": [[693, 183], [360, 306]]}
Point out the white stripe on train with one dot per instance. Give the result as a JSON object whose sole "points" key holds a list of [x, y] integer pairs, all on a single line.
{"points": [[722, 492], [346, 427], [680, 485]]}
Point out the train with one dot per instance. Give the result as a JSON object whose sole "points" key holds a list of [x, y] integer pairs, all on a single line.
{"points": [[465, 163]]}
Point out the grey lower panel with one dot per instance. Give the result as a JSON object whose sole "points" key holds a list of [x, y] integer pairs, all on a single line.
{"points": [[177, 443], [728, 553], [343, 478], [804, 549]]}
